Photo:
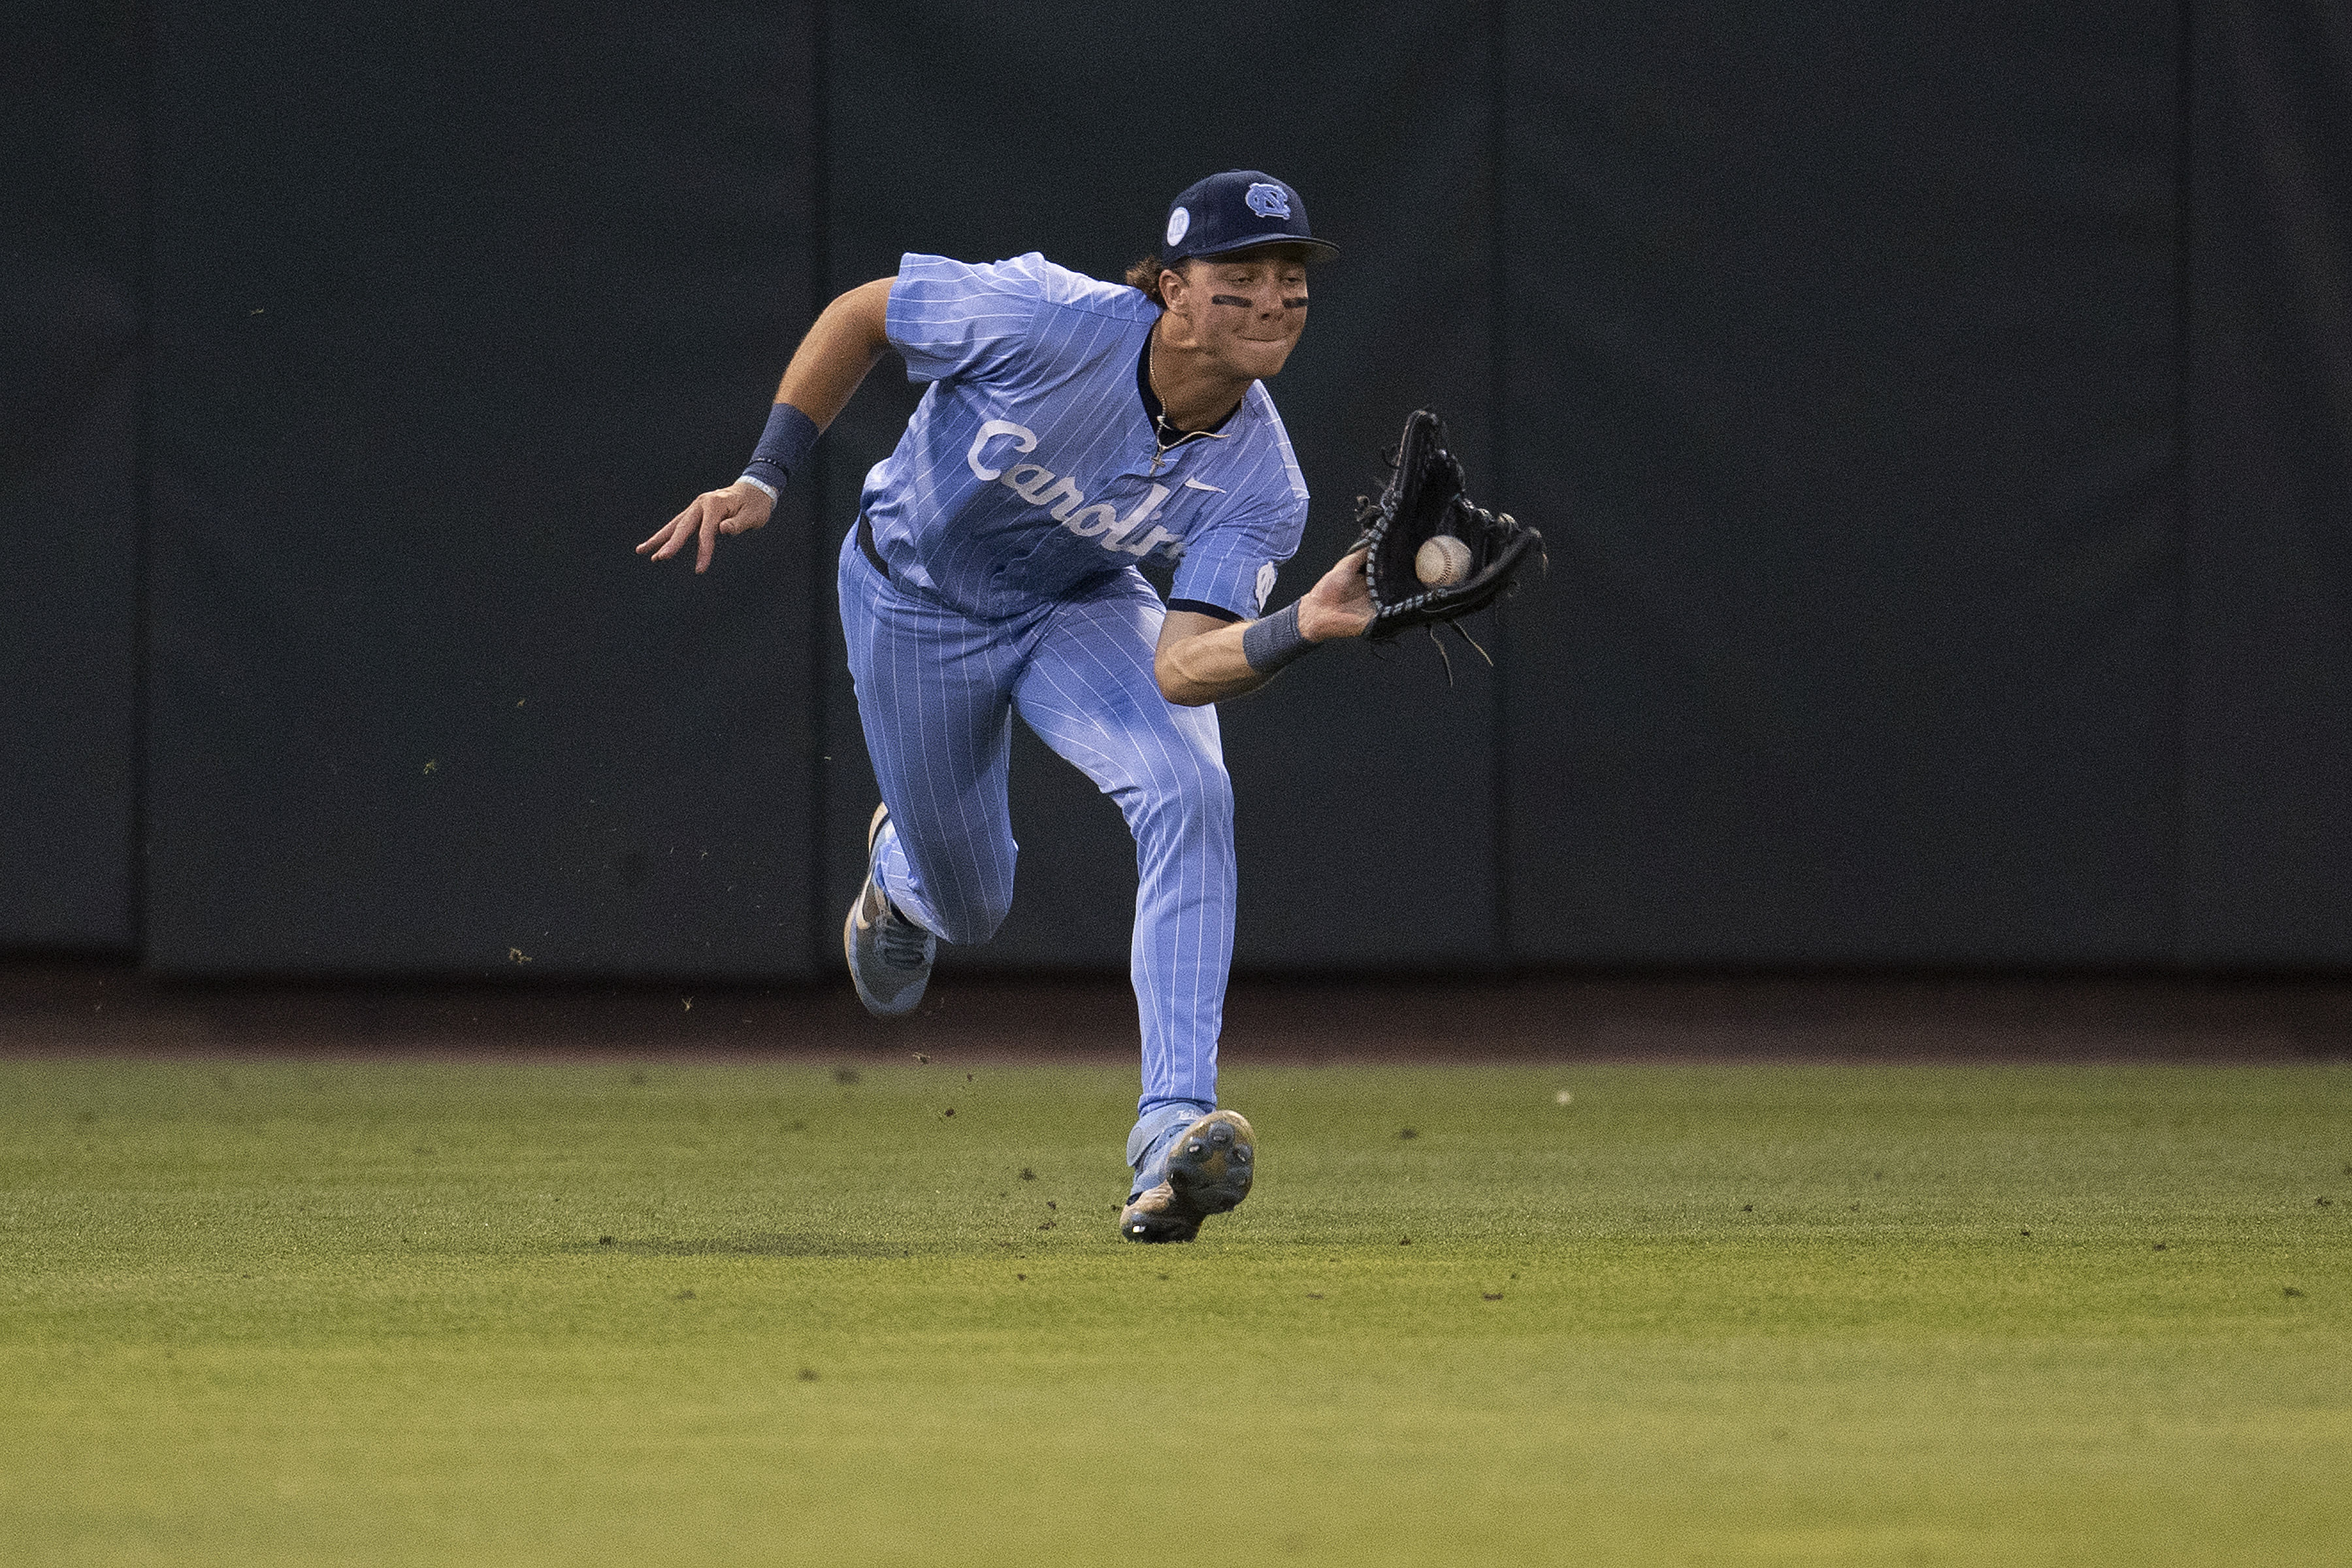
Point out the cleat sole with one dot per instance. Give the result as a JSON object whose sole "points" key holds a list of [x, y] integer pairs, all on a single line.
{"points": [[1210, 1172]]}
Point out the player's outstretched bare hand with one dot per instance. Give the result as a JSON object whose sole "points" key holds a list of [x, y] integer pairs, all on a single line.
{"points": [[738, 509], [1340, 605]]}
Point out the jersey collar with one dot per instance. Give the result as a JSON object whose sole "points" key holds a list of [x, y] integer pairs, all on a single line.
{"points": [[1157, 416]]}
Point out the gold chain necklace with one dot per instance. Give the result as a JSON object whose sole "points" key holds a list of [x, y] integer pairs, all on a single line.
{"points": [[1165, 436]]}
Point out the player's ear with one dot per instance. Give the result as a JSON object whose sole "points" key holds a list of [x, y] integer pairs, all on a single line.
{"points": [[1173, 281]]}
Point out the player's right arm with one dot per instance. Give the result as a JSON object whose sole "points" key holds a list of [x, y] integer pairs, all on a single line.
{"points": [[824, 373], [1201, 660]]}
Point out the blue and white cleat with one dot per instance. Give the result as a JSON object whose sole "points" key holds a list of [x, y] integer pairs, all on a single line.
{"points": [[1187, 1172], [889, 955]]}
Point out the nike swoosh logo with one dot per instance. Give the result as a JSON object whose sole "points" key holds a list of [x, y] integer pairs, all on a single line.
{"points": [[1197, 485]]}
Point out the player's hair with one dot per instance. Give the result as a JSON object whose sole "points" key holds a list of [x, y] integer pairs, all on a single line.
{"points": [[1145, 274]]}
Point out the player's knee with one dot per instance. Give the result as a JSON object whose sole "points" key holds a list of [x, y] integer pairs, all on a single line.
{"points": [[982, 922], [1193, 801], [969, 921], [968, 928]]}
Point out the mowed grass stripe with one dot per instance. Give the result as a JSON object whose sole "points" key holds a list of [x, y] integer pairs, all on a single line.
{"points": [[301, 1311]]}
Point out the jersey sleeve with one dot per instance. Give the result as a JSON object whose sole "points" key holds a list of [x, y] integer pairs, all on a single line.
{"points": [[955, 319], [1232, 565]]}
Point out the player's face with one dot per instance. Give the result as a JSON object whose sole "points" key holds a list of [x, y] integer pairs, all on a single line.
{"points": [[1247, 311]]}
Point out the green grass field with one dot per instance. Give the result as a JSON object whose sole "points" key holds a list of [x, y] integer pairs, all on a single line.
{"points": [[307, 1313]]}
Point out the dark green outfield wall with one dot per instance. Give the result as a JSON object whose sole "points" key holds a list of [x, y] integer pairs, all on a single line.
{"points": [[1940, 427]]}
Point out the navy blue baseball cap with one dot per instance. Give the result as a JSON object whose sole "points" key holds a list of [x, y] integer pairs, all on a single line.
{"points": [[1235, 211]]}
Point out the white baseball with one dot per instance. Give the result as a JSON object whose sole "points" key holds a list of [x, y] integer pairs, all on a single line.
{"points": [[1441, 560]]}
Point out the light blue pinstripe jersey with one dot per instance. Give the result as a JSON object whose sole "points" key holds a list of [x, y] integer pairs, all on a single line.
{"points": [[1029, 467]]}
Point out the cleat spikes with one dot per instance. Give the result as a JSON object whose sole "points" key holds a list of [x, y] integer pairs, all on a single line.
{"points": [[1207, 1172]]}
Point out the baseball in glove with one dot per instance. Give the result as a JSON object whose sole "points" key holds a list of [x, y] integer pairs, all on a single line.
{"points": [[1413, 582]]}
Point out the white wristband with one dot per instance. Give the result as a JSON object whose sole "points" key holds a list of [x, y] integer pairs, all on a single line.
{"points": [[760, 484]]}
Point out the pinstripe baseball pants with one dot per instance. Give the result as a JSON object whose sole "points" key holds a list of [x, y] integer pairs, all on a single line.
{"points": [[936, 693]]}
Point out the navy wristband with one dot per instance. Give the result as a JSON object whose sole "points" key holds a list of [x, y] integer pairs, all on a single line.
{"points": [[786, 440], [1271, 643]]}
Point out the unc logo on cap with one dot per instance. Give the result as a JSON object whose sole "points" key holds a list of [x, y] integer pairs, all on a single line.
{"points": [[1238, 210], [1268, 200]]}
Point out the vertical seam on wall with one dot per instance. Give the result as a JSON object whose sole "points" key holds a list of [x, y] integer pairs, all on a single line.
{"points": [[1498, 404], [2185, 492], [819, 671], [142, 484]]}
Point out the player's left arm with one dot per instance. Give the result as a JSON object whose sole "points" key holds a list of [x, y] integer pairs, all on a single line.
{"points": [[1201, 660], [824, 373]]}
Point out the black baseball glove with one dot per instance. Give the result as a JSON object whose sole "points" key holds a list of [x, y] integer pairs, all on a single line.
{"points": [[1422, 500]]}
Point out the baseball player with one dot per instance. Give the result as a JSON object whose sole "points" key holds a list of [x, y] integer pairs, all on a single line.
{"points": [[1072, 429]]}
